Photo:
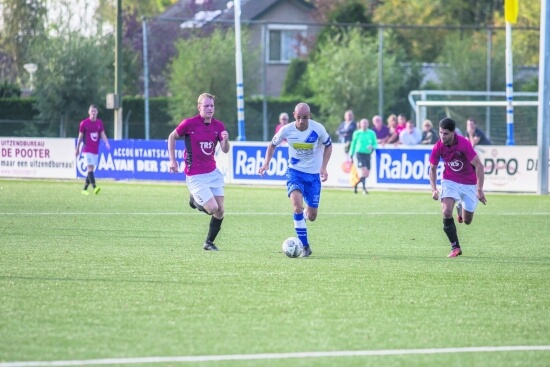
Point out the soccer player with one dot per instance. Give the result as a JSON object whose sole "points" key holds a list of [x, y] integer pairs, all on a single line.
{"points": [[309, 149], [462, 181], [204, 180], [91, 129]]}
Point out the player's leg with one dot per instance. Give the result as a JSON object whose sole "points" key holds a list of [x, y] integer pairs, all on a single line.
{"points": [[469, 202], [295, 187], [367, 173], [312, 196], [215, 221], [449, 195]]}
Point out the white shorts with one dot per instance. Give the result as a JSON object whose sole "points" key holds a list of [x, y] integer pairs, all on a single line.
{"points": [[466, 194], [205, 186], [90, 159]]}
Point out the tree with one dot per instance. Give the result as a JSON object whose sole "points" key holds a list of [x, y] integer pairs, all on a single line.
{"points": [[208, 65], [344, 76], [74, 71], [24, 21], [465, 61]]}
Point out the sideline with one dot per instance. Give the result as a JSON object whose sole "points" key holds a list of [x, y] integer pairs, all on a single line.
{"points": [[243, 357]]}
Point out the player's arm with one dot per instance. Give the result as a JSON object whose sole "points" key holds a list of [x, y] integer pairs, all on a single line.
{"points": [[105, 140], [268, 155], [433, 181], [78, 143], [224, 142], [172, 150], [480, 175], [326, 156]]}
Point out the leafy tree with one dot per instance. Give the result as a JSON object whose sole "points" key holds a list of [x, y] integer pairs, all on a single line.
{"points": [[74, 71], [344, 76], [296, 80], [9, 90], [208, 65], [24, 21], [469, 71]]}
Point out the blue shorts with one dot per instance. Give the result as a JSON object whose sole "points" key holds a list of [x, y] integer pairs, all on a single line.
{"points": [[309, 184]]}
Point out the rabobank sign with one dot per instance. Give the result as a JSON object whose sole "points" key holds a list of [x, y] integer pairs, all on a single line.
{"points": [[247, 160], [404, 166]]}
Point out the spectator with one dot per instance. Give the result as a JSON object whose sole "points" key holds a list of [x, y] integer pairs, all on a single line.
{"points": [[429, 135], [392, 125], [401, 123], [283, 120], [346, 129], [410, 135], [474, 134], [382, 131]]}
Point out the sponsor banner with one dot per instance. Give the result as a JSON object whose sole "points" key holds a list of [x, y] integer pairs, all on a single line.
{"points": [[509, 168], [37, 158], [247, 158], [135, 160], [405, 168]]}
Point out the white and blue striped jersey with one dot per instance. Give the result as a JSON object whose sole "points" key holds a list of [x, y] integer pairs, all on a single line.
{"points": [[304, 147]]}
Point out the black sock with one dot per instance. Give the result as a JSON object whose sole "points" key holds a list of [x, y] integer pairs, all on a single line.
{"points": [[215, 226], [87, 183], [450, 230], [91, 178], [363, 182]]}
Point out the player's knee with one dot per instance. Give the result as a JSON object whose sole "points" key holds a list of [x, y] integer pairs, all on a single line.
{"points": [[447, 213]]}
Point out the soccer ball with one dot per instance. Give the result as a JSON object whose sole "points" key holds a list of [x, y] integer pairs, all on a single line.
{"points": [[293, 247]]}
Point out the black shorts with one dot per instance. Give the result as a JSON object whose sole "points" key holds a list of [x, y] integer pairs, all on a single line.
{"points": [[363, 160]]}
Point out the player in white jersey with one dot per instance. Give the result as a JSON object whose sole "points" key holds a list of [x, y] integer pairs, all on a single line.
{"points": [[309, 149]]}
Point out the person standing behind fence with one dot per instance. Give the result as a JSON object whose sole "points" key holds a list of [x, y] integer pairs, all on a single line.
{"points": [[462, 182], [363, 143], [346, 129], [429, 135], [204, 180], [475, 135], [382, 131], [283, 120], [91, 129]]}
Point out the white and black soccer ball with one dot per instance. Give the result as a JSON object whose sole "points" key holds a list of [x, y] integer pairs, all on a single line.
{"points": [[293, 247]]}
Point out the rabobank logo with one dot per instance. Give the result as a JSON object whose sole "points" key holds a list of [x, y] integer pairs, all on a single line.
{"points": [[247, 160], [404, 166]]}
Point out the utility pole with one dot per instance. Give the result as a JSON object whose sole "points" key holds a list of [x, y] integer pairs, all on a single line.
{"points": [[118, 73]]}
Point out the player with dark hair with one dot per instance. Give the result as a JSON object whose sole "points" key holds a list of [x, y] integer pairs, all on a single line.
{"points": [[204, 180], [462, 182], [91, 129]]}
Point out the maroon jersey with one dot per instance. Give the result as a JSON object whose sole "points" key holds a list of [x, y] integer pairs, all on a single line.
{"points": [[200, 144], [456, 158], [92, 134]]}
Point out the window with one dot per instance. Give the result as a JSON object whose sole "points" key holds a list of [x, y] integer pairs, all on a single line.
{"points": [[285, 43]]}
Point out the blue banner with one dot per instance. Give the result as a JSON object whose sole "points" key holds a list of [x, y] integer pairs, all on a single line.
{"points": [[135, 160], [404, 166], [247, 160]]}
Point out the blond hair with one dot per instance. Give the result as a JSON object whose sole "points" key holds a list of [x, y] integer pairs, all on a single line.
{"points": [[204, 96]]}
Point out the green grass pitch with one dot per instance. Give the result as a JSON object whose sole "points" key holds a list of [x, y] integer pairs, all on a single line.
{"points": [[122, 274]]}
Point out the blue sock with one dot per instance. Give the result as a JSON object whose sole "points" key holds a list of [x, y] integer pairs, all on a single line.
{"points": [[300, 227]]}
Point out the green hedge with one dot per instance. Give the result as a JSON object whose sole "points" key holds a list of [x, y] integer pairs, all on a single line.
{"points": [[18, 114]]}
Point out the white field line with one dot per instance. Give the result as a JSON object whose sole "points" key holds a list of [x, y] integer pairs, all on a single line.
{"points": [[264, 213], [266, 356]]}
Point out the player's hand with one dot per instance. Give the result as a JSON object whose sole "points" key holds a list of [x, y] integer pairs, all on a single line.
{"points": [[225, 135], [262, 170], [324, 175], [107, 146], [435, 194], [174, 167], [481, 196], [76, 153]]}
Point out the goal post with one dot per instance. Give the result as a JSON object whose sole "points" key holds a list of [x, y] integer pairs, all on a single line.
{"points": [[490, 117]]}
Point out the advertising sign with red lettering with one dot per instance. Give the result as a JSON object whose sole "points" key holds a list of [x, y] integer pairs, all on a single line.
{"points": [[37, 158]]}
